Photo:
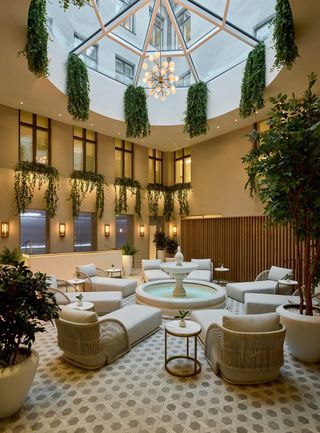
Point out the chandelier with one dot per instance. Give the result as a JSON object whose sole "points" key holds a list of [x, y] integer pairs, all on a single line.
{"points": [[160, 78]]}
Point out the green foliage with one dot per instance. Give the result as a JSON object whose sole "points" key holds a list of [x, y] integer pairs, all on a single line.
{"points": [[181, 191], [182, 314], [128, 250], [160, 240], [36, 48], [253, 82], [155, 192], [25, 303], [121, 186], [286, 50], [195, 121], [168, 205], [136, 112], [27, 176], [284, 171], [171, 246], [83, 182], [78, 88], [10, 257], [79, 3]]}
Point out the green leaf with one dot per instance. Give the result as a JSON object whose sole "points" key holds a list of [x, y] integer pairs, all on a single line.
{"points": [[195, 121], [78, 88]]}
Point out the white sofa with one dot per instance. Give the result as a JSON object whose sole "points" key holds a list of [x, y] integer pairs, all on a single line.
{"points": [[266, 282], [151, 271], [97, 280], [204, 271], [258, 303]]}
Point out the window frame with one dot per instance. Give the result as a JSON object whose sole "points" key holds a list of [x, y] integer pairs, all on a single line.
{"points": [[181, 158], [47, 230], [130, 19], [154, 160], [84, 140], [121, 73], [35, 127], [94, 234], [84, 54], [123, 152]]}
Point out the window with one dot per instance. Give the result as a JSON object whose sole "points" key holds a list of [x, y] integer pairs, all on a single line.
{"points": [[156, 36], [184, 80], [184, 22], [34, 137], [85, 232], [84, 149], [263, 29], [182, 165], [124, 230], [124, 71], [124, 158], [90, 55], [155, 166], [33, 232], [128, 23]]}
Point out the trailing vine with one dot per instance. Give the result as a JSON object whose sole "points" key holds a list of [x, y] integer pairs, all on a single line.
{"points": [[181, 191], [79, 3], [168, 205], [253, 82], [154, 193], [78, 88], [121, 186], [195, 121], [136, 112], [83, 182], [36, 48], [286, 50], [27, 176]]}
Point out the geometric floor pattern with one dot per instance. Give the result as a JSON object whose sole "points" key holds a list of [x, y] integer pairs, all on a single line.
{"points": [[136, 395]]}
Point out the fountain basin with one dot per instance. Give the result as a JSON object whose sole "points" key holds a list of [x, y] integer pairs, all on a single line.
{"points": [[199, 295]]}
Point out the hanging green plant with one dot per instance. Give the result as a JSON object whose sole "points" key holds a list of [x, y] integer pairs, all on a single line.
{"points": [[253, 82], [36, 48], [121, 186], [182, 191], [79, 3], [27, 176], [155, 192], [136, 112], [83, 182], [168, 205], [195, 121], [78, 88], [286, 50]]}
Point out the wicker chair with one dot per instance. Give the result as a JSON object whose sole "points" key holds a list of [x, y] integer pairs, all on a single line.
{"points": [[245, 349]]}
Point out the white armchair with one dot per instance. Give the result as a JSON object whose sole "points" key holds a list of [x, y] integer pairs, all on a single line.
{"points": [[204, 271], [151, 271]]}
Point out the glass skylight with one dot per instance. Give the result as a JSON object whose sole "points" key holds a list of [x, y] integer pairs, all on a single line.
{"points": [[204, 38]]}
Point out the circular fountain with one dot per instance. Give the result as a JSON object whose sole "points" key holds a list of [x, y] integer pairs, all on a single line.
{"points": [[176, 293]]}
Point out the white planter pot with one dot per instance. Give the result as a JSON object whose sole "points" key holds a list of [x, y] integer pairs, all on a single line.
{"points": [[127, 265], [302, 334], [161, 254], [15, 382]]}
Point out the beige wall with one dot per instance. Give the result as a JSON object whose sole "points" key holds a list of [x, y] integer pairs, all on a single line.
{"points": [[218, 180]]}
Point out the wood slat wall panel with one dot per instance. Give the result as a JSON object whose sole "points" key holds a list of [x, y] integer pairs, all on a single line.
{"points": [[243, 244]]}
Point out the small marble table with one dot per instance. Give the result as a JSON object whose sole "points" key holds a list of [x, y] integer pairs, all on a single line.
{"points": [[85, 306], [289, 283], [221, 269], [112, 271], [78, 282], [192, 329]]}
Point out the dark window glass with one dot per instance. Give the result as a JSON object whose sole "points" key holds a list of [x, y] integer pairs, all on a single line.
{"points": [[124, 230], [33, 232], [84, 232]]}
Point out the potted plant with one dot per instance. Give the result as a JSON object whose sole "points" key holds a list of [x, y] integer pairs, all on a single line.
{"points": [[79, 301], [10, 257], [128, 251], [25, 303], [284, 171], [171, 247], [182, 316], [159, 241]]}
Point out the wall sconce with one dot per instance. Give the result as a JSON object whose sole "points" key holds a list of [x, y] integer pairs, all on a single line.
{"points": [[141, 230], [62, 230], [174, 230], [5, 229], [107, 230]]}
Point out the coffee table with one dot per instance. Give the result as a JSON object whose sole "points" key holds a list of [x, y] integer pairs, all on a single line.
{"points": [[86, 306], [192, 329]]}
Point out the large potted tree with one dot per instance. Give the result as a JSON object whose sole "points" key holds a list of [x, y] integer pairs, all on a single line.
{"points": [[284, 171], [159, 241], [128, 251], [25, 304]]}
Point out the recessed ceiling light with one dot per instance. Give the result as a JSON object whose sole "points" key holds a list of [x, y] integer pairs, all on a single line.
{"points": [[21, 102], [236, 120], [218, 126], [91, 124], [59, 114], [118, 133]]}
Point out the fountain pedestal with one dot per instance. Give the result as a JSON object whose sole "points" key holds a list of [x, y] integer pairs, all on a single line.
{"points": [[179, 273]]}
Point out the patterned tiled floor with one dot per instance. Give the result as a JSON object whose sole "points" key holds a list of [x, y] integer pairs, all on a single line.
{"points": [[137, 395]]}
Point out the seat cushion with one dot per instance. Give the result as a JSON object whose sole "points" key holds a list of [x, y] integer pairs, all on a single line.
{"points": [[139, 320], [206, 317], [252, 323], [104, 302], [258, 303], [124, 285], [151, 264], [155, 274], [277, 273], [204, 264], [90, 269], [199, 275], [77, 316], [238, 290]]}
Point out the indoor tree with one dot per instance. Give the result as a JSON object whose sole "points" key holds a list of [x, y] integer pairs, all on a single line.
{"points": [[284, 172]]}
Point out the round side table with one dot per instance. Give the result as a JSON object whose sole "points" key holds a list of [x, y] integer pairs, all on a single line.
{"points": [[78, 282], [86, 306], [112, 271], [192, 329], [289, 283], [221, 269]]}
